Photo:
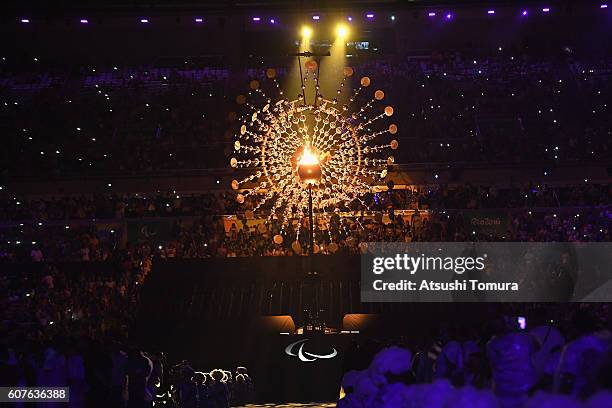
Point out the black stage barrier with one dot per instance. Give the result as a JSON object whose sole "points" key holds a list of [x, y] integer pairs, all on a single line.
{"points": [[213, 312], [238, 288]]}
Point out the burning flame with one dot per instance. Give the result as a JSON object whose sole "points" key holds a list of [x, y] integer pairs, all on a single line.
{"points": [[307, 158]]}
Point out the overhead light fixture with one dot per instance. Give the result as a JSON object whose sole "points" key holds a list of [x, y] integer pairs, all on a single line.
{"points": [[306, 32]]}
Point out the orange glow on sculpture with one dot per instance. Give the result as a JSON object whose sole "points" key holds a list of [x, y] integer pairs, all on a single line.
{"points": [[309, 167], [327, 151]]}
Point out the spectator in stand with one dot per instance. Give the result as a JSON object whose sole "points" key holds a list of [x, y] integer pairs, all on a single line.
{"points": [[513, 356]]}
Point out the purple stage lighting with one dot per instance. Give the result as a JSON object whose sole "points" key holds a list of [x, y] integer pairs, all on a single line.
{"points": [[449, 16], [370, 15], [603, 6], [198, 20], [316, 17], [272, 21], [84, 21], [491, 12], [525, 12], [257, 19], [431, 14], [546, 9], [349, 18], [144, 20], [25, 20]]}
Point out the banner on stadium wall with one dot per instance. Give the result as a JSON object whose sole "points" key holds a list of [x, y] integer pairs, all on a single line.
{"points": [[154, 230], [487, 222]]}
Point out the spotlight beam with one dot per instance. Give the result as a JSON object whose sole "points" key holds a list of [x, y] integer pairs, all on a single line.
{"points": [[308, 54]]}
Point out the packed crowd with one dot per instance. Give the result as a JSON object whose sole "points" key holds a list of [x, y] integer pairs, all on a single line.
{"points": [[210, 236], [65, 299], [120, 129], [213, 224], [501, 107], [504, 364], [173, 204], [59, 326]]}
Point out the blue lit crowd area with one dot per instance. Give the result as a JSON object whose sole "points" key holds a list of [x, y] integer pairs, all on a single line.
{"points": [[143, 265]]}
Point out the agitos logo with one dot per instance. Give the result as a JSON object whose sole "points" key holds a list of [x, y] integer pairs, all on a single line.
{"points": [[306, 356]]}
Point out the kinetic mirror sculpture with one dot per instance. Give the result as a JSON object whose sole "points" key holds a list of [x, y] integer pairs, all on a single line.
{"points": [[301, 153]]}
